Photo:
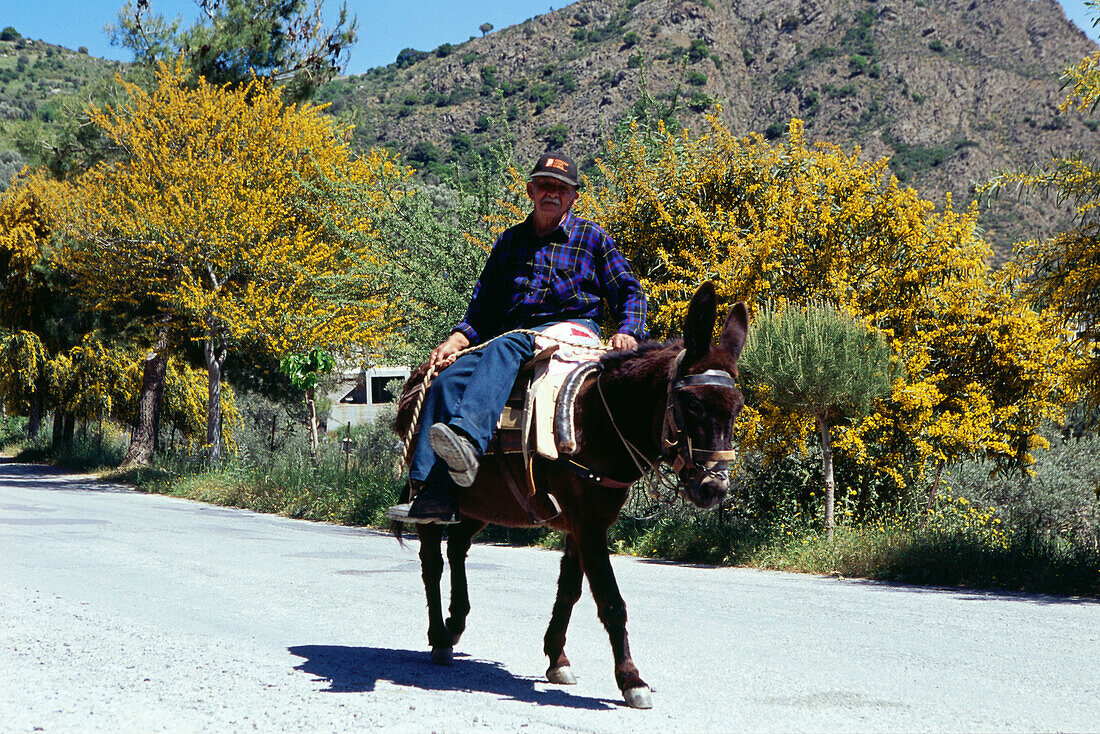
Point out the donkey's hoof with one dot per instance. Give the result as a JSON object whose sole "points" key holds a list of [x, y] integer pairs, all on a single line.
{"points": [[443, 655], [562, 675], [638, 698]]}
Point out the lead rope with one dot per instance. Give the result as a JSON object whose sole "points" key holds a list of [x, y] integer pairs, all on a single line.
{"points": [[639, 459], [407, 440]]}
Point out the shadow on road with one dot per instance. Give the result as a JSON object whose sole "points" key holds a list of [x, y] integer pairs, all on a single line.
{"points": [[40, 476], [358, 670]]}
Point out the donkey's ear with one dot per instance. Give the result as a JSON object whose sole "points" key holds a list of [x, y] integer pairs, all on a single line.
{"points": [[735, 329], [699, 324]]}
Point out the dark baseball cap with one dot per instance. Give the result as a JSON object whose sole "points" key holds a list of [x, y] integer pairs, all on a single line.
{"points": [[557, 165]]}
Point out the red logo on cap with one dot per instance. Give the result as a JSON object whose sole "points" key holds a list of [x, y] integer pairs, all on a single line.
{"points": [[558, 164]]}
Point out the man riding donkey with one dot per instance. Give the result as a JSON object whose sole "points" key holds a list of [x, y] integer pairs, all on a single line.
{"points": [[553, 267]]}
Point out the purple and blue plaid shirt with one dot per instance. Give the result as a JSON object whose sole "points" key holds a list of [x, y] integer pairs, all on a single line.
{"points": [[531, 280]]}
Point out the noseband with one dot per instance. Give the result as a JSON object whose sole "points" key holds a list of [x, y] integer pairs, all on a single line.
{"points": [[675, 443]]}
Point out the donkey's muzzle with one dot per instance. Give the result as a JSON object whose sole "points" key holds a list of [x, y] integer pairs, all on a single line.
{"points": [[709, 485]]}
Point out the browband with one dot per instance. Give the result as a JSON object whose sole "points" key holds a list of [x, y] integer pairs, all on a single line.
{"points": [[710, 378]]}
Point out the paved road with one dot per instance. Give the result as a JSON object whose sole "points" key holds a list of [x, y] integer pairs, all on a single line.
{"points": [[128, 612]]}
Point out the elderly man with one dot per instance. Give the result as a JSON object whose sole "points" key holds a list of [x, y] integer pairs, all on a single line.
{"points": [[552, 267]]}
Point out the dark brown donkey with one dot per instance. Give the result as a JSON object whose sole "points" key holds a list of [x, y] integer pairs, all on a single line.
{"points": [[667, 406]]}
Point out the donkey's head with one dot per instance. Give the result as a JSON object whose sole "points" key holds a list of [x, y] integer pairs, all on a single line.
{"points": [[703, 399]]}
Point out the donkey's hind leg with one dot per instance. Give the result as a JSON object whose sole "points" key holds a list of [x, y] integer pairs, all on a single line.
{"points": [[431, 570], [459, 538], [569, 592]]}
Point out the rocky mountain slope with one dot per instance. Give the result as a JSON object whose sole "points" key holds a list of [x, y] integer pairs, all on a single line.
{"points": [[948, 90]]}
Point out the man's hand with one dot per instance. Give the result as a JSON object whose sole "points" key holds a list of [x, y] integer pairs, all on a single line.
{"points": [[623, 343], [447, 352]]}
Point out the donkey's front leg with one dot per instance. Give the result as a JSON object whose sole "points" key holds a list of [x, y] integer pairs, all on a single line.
{"points": [[569, 592], [458, 545], [612, 611], [431, 570]]}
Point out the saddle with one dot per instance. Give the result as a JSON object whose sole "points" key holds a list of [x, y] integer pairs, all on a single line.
{"points": [[537, 420]]}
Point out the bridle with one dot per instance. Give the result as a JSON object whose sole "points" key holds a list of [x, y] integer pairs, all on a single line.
{"points": [[675, 443]]}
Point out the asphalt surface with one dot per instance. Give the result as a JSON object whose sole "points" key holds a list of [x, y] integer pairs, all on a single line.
{"points": [[121, 611]]}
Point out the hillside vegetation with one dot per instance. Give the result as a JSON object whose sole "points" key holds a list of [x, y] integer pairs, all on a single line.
{"points": [[949, 92]]}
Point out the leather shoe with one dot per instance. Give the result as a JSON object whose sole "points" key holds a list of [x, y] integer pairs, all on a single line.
{"points": [[457, 451], [430, 506]]}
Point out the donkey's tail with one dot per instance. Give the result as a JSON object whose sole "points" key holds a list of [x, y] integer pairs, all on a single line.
{"points": [[396, 526]]}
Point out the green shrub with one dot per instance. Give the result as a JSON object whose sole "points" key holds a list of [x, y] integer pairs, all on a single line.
{"points": [[696, 78], [424, 152], [698, 50], [1058, 503], [700, 101], [555, 136], [96, 446], [787, 79], [775, 130], [409, 56]]}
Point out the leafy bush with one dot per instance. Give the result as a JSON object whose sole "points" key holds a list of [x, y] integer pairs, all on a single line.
{"points": [[554, 136], [1059, 502], [409, 56], [698, 50]]}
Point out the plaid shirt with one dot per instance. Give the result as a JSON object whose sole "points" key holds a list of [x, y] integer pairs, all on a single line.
{"points": [[531, 280]]}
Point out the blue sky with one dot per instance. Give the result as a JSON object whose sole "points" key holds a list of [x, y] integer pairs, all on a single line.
{"points": [[385, 26]]}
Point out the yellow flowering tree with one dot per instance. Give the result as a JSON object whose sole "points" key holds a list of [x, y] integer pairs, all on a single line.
{"points": [[30, 297], [791, 222], [23, 379], [1062, 273], [183, 401], [210, 229]]}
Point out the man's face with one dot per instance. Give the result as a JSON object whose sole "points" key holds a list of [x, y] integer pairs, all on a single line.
{"points": [[552, 198]]}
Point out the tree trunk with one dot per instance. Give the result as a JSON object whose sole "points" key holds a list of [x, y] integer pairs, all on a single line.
{"points": [[58, 428], [144, 437], [932, 496], [34, 420], [69, 429], [830, 485], [312, 424], [214, 360]]}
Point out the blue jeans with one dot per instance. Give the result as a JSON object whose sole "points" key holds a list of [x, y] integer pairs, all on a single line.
{"points": [[470, 395]]}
